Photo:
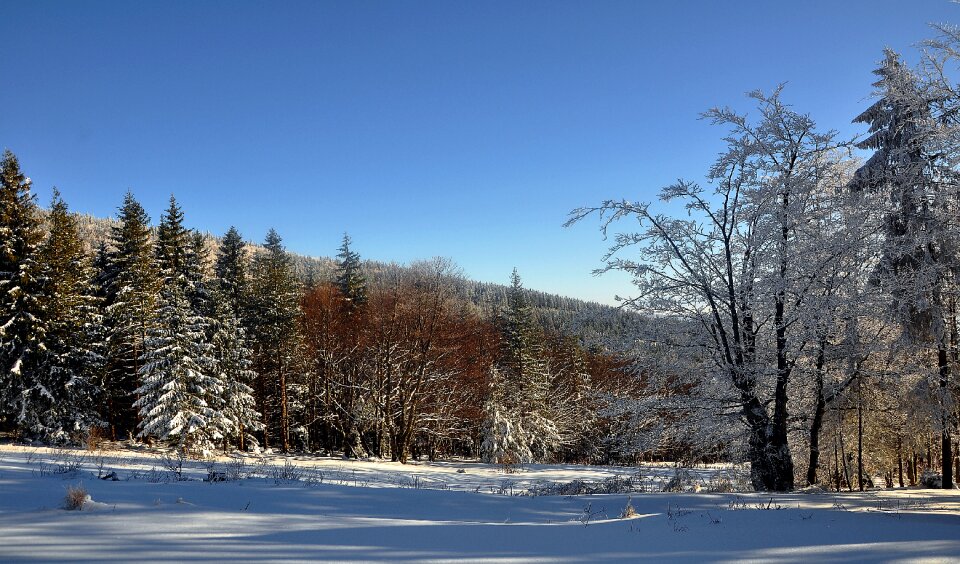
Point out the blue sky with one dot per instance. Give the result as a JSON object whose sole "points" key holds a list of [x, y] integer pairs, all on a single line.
{"points": [[461, 129]]}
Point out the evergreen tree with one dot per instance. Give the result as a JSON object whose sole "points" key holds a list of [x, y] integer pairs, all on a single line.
{"points": [[73, 358], [237, 405], [504, 440], [178, 378], [273, 310], [350, 278], [23, 394], [199, 288], [131, 284], [231, 270], [520, 391], [172, 246]]}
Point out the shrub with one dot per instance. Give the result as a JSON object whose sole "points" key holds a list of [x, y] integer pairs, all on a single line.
{"points": [[76, 498], [931, 480], [289, 472]]}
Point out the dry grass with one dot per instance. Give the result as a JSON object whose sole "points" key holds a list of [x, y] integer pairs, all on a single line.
{"points": [[76, 498]]}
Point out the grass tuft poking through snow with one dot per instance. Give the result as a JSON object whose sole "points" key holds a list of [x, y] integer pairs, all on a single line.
{"points": [[76, 498]]}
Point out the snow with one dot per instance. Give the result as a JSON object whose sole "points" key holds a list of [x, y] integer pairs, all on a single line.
{"points": [[148, 519]]}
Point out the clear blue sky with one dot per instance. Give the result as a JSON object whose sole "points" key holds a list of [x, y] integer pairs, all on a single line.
{"points": [[462, 129]]}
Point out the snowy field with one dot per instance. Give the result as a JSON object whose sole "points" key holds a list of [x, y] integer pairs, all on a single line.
{"points": [[273, 509]]}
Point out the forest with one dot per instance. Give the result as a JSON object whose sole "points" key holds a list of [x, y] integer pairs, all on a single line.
{"points": [[796, 311], [145, 334]]}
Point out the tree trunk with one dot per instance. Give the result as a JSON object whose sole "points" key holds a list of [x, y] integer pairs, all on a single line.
{"points": [[771, 467], [900, 459], [946, 443], [859, 433], [843, 454], [284, 422], [817, 422], [836, 464]]}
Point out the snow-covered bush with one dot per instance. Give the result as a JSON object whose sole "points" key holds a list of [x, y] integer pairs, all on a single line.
{"points": [[504, 440], [931, 480]]}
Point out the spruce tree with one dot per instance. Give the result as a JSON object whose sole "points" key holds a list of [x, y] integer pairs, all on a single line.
{"points": [[131, 284], [22, 317], [173, 240], [73, 359], [231, 270], [350, 278], [520, 390], [273, 310], [178, 378], [199, 287], [238, 416]]}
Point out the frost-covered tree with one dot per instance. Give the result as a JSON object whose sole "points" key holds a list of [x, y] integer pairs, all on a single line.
{"points": [[23, 386], [914, 162], [735, 269], [173, 245], [505, 441]]}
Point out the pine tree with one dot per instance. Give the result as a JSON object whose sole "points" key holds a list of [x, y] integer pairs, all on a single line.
{"points": [[131, 284], [23, 394], [350, 278], [178, 378], [73, 358], [273, 311]]}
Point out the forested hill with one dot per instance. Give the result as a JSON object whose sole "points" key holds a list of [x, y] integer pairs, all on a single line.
{"points": [[591, 322]]}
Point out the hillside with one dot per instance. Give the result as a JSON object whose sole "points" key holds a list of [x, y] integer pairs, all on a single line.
{"points": [[593, 323]]}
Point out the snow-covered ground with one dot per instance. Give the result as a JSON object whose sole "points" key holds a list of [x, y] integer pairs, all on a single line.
{"points": [[319, 510]]}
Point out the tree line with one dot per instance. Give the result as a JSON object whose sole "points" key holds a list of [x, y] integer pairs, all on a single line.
{"points": [[150, 336]]}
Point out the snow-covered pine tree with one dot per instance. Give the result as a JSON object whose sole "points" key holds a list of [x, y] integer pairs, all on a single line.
{"points": [[914, 158], [23, 394], [73, 361], [233, 355], [222, 330], [274, 308], [523, 383], [131, 285], [504, 440], [350, 278], [238, 416], [177, 381]]}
